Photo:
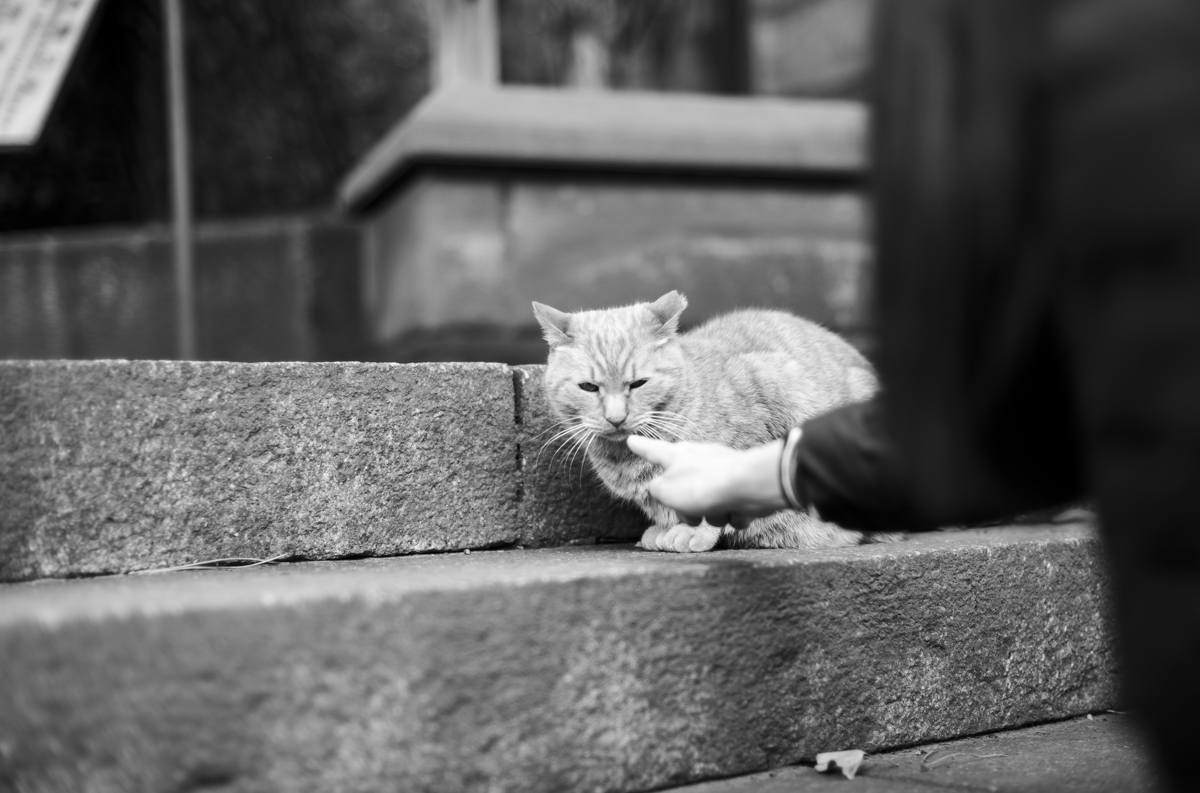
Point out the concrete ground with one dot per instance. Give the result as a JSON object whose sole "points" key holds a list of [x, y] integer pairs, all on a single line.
{"points": [[1094, 754]]}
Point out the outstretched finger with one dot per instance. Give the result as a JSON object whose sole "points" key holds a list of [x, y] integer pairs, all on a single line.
{"points": [[652, 449]]}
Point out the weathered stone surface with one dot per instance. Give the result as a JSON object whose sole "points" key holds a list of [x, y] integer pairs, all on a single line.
{"points": [[561, 499], [117, 465], [596, 668]]}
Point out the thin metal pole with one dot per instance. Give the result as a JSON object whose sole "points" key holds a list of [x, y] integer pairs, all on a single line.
{"points": [[181, 182]]}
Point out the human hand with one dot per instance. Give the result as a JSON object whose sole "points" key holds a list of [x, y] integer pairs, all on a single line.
{"points": [[710, 482]]}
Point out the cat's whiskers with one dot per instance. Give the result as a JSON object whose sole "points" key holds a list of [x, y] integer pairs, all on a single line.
{"points": [[650, 425], [583, 463], [650, 430], [671, 417], [668, 418], [571, 436], [581, 434], [555, 425], [574, 428], [580, 443], [662, 433], [581, 446], [551, 441], [565, 451], [672, 424]]}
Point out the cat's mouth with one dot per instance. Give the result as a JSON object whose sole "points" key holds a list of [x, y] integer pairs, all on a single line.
{"points": [[616, 436]]}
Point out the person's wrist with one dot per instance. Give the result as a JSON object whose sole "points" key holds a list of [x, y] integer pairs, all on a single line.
{"points": [[758, 480], [787, 482]]}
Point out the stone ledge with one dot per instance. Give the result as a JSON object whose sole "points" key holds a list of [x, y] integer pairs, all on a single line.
{"points": [[110, 466], [115, 466], [614, 131], [597, 668]]}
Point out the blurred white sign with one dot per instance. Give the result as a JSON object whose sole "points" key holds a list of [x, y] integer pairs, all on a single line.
{"points": [[38, 39]]}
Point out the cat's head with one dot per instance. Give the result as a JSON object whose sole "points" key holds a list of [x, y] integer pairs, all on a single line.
{"points": [[615, 372]]}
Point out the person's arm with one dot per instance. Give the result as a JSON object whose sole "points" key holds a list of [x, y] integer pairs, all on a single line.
{"points": [[707, 481], [847, 471], [841, 467]]}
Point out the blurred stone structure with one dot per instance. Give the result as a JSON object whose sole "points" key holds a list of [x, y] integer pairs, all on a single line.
{"points": [[810, 48], [798, 48], [274, 289], [487, 198], [698, 46], [285, 98]]}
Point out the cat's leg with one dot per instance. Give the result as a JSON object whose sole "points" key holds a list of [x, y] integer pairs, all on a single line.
{"points": [[682, 538], [789, 529]]}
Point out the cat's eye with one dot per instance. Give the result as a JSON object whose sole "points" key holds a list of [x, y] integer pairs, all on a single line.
{"points": [[638, 383], [590, 387]]}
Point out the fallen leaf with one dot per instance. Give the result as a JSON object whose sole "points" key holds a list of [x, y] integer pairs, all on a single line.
{"points": [[847, 762]]}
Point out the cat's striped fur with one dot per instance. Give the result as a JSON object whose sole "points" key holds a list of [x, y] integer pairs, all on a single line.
{"points": [[741, 379]]}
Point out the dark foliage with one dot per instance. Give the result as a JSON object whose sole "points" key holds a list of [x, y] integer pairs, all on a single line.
{"points": [[284, 97]]}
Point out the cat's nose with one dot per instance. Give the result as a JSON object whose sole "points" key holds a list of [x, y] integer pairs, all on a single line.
{"points": [[615, 410]]}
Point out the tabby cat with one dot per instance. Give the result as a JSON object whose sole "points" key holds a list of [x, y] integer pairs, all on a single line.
{"points": [[741, 379]]}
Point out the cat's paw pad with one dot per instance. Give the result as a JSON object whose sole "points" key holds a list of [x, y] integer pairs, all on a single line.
{"points": [[650, 538], [705, 538], [682, 538]]}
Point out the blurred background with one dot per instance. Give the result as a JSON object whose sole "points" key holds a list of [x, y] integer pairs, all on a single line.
{"points": [[352, 203]]}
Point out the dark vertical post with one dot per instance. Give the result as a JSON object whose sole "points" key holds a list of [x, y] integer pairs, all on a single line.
{"points": [[729, 47], [181, 182]]}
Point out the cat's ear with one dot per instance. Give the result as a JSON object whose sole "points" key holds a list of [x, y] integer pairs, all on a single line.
{"points": [[667, 310], [554, 324]]}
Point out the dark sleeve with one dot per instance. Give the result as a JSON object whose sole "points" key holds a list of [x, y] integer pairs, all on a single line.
{"points": [[845, 468]]}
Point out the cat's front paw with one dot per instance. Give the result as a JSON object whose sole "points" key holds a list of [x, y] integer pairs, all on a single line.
{"points": [[650, 537], [681, 538]]}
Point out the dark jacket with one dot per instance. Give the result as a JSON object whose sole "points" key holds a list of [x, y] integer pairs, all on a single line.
{"points": [[1037, 187]]}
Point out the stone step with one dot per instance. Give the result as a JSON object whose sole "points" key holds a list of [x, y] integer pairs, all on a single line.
{"points": [[113, 466], [596, 668]]}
